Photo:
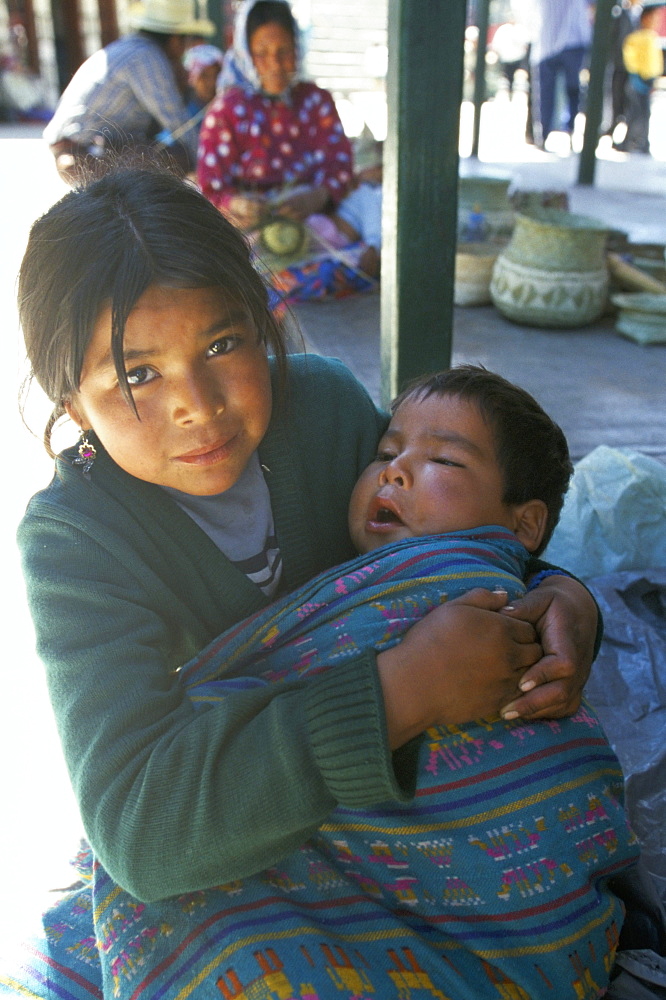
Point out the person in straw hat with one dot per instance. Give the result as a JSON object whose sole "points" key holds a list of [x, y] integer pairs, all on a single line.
{"points": [[128, 93]]}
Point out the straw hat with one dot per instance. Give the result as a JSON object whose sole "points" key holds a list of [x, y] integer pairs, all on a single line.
{"points": [[169, 17]]}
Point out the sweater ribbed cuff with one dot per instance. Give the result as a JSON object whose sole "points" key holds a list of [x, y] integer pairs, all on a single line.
{"points": [[347, 726]]}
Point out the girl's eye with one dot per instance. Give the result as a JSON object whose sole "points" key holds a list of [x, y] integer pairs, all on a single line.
{"points": [[223, 345], [447, 461], [140, 376], [384, 456]]}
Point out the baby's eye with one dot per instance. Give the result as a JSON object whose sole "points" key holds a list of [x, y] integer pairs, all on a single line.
{"points": [[384, 456], [223, 345], [140, 376], [446, 461]]}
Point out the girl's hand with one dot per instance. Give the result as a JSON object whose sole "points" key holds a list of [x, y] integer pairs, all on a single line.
{"points": [[565, 617], [299, 206], [246, 211], [460, 662]]}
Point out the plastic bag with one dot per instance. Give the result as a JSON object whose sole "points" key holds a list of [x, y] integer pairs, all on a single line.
{"points": [[627, 687], [612, 534], [614, 515]]}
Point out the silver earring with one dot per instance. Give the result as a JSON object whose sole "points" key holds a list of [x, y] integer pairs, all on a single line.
{"points": [[87, 455]]}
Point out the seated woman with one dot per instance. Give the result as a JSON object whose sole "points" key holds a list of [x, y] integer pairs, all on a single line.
{"points": [[273, 132], [273, 144]]}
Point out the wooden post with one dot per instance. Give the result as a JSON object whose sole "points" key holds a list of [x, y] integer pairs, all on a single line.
{"points": [[595, 91], [420, 201], [31, 34], [74, 54], [108, 21], [483, 19], [214, 10], [21, 12]]}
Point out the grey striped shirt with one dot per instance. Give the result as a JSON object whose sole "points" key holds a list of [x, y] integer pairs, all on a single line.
{"points": [[127, 89]]}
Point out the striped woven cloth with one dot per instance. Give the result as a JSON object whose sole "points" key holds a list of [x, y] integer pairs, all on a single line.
{"points": [[491, 883]]}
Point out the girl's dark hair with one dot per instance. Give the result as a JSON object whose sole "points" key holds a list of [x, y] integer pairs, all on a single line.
{"points": [[531, 449], [104, 245], [270, 12]]}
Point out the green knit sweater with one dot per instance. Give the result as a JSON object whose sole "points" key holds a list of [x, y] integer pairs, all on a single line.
{"points": [[124, 588]]}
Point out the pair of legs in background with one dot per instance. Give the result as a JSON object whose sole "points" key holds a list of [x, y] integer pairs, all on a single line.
{"points": [[544, 81]]}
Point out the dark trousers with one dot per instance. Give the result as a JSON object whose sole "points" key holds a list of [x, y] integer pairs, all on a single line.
{"points": [[637, 139], [509, 70], [618, 96], [544, 82]]}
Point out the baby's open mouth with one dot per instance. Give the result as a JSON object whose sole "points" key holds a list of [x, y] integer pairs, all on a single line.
{"points": [[384, 515]]}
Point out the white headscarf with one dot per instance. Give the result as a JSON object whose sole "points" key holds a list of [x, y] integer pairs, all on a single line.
{"points": [[238, 69]]}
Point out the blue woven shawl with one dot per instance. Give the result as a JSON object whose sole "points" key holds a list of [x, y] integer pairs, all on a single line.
{"points": [[490, 883]]}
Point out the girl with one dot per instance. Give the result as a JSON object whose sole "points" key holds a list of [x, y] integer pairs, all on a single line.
{"points": [[209, 478]]}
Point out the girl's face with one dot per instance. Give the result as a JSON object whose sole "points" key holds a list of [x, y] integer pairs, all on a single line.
{"points": [[274, 56], [200, 381]]}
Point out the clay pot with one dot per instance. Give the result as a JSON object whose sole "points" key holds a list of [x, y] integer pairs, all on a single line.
{"points": [[491, 193], [553, 273], [484, 199]]}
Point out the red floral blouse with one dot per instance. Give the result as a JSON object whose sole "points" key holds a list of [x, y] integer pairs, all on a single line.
{"points": [[251, 142]]}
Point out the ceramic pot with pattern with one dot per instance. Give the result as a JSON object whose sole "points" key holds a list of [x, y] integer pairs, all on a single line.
{"points": [[553, 273]]}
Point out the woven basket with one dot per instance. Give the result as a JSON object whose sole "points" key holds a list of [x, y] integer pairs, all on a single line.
{"points": [[474, 269]]}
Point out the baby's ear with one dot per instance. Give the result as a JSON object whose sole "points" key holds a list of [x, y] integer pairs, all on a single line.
{"points": [[530, 523]]}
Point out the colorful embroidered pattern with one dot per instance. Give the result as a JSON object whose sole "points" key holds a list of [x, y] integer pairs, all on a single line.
{"points": [[319, 278], [490, 884]]}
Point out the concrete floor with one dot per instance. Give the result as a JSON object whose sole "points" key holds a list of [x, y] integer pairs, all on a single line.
{"points": [[600, 387]]}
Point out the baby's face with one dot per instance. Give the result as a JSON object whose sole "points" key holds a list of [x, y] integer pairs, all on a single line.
{"points": [[205, 84], [435, 471]]}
